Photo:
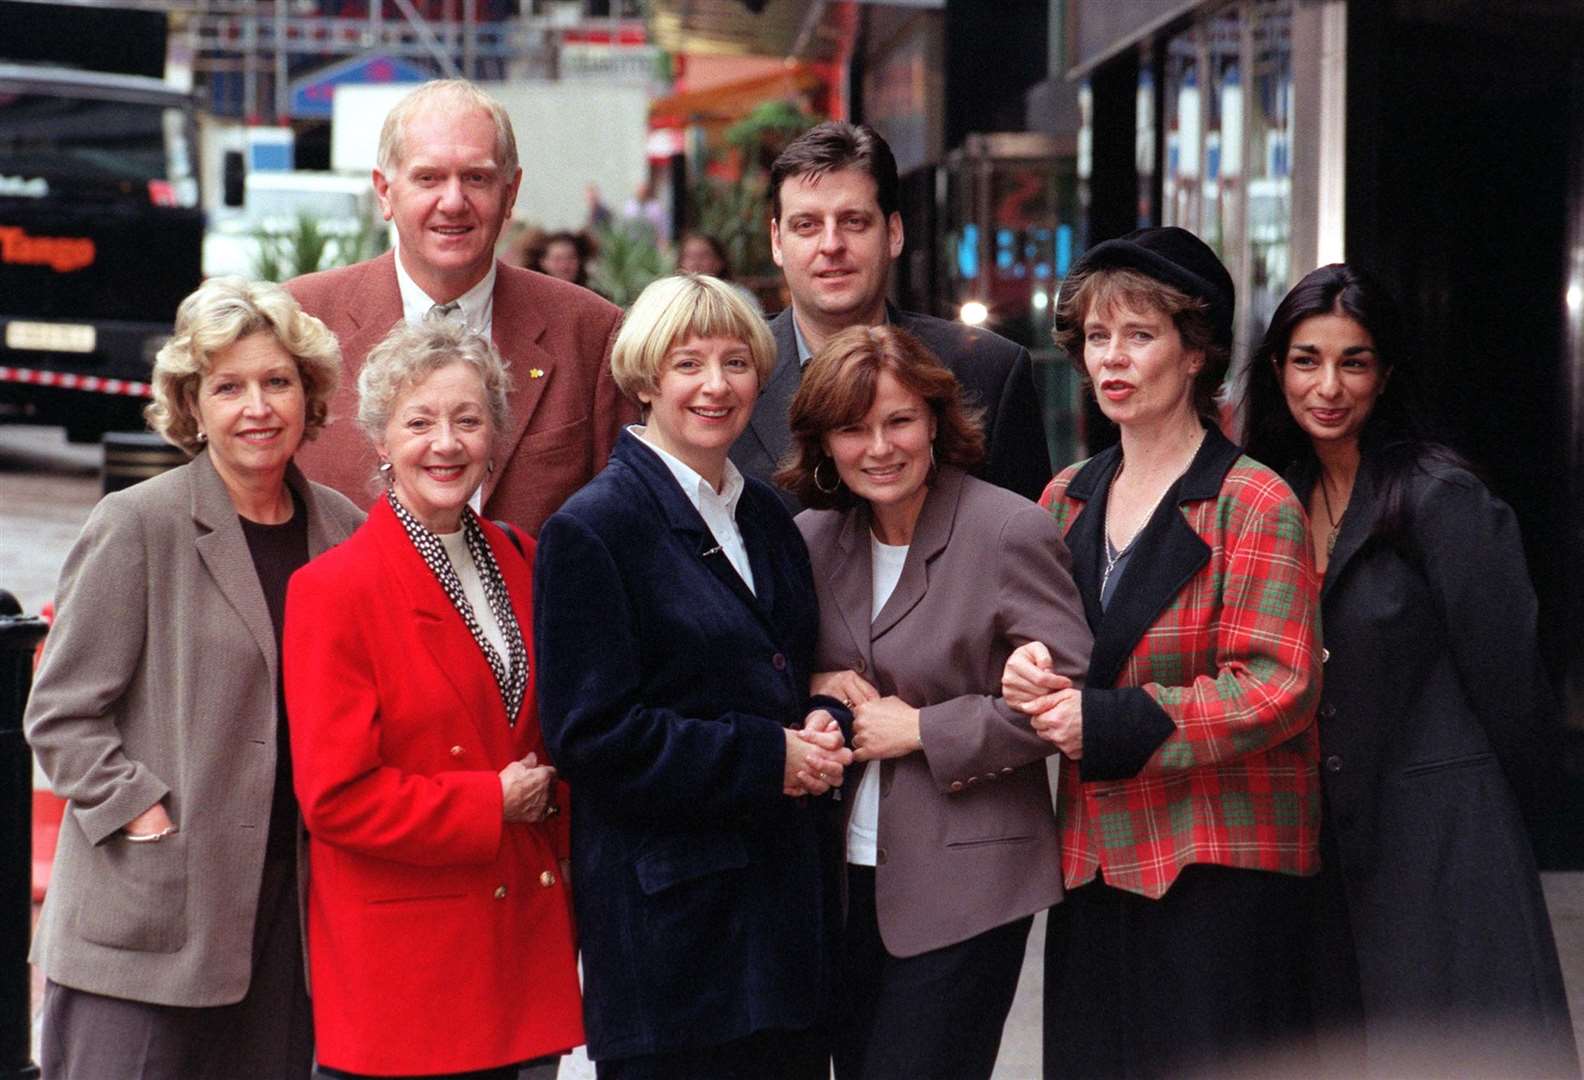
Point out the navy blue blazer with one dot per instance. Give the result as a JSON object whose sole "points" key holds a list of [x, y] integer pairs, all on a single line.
{"points": [[664, 685]]}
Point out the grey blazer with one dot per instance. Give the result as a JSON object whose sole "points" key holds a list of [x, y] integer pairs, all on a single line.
{"points": [[967, 838], [159, 681]]}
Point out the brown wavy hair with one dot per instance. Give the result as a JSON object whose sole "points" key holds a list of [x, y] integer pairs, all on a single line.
{"points": [[838, 388]]}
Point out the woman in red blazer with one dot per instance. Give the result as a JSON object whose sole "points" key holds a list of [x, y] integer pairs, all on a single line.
{"points": [[439, 927]]}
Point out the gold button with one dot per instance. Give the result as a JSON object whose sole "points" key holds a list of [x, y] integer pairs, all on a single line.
{"points": [[1007, 770], [956, 785], [547, 879], [456, 751], [973, 780], [500, 892]]}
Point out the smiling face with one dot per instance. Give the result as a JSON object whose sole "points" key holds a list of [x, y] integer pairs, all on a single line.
{"points": [[1331, 378], [702, 402], [252, 409], [1141, 371], [884, 456], [561, 260], [836, 248], [448, 198], [438, 441]]}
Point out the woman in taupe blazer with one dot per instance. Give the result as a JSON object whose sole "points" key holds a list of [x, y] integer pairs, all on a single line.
{"points": [[927, 579], [170, 936]]}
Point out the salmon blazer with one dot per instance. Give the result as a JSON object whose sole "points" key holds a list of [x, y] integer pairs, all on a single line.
{"points": [[1199, 743], [439, 937], [967, 838]]}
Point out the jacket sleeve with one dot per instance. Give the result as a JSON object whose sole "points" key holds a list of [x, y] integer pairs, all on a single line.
{"points": [[1266, 682], [1035, 600], [1472, 557], [350, 795], [605, 737], [1018, 456], [91, 657]]}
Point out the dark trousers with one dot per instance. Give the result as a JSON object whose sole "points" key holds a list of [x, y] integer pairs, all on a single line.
{"points": [[1208, 980], [764, 1055], [268, 1035], [938, 1014]]}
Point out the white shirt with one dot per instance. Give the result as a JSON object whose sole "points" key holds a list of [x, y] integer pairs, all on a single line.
{"points": [[476, 308], [717, 508], [863, 827], [473, 588]]}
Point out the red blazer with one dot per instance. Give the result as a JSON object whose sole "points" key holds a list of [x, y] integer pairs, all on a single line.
{"points": [[566, 410], [439, 938], [1199, 743]]}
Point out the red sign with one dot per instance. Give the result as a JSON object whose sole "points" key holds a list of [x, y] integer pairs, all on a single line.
{"points": [[62, 254]]}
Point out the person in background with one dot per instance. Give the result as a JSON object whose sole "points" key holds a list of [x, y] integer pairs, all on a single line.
{"points": [[927, 580], [675, 630], [835, 230], [169, 938], [447, 179], [1430, 914], [1190, 799], [566, 256], [702, 253], [439, 924]]}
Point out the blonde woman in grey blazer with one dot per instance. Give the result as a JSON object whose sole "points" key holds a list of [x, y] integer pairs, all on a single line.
{"points": [[927, 580], [170, 936]]}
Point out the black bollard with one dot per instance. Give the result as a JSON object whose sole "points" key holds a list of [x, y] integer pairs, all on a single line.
{"points": [[19, 636]]}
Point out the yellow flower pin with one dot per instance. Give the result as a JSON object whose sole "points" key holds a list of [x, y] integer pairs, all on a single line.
{"points": [[536, 373]]}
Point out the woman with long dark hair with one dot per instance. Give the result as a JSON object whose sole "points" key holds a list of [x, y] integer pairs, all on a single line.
{"points": [[1430, 914]]}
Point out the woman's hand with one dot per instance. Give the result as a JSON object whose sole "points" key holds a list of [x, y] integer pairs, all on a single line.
{"points": [[152, 822], [1062, 723], [525, 790], [816, 756], [887, 727], [848, 687], [1029, 682]]}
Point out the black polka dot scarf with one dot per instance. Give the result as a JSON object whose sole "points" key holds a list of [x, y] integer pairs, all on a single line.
{"points": [[511, 676]]}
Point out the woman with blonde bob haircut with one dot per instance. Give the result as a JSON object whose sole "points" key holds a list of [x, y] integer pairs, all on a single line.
{"points": [[170, 936], [927, 580], [674, 625]]}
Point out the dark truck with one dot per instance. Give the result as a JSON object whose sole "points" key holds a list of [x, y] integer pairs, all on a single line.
{"points": [[100, 238]]}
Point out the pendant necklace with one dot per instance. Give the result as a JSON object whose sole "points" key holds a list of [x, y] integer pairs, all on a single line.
{"points": [[1109, 551], [1325, 497]]}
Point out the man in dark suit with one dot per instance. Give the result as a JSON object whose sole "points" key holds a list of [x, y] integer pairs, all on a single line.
{"points": [[835, 230], [447, 178]]}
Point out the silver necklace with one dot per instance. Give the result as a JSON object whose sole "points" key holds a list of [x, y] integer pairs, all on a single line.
{"points": [[1111, 559]]}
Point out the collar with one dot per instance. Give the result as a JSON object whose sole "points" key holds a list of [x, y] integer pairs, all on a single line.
{"points": [[1215, 456], [694, 486], [804, 353], [476, 304]]}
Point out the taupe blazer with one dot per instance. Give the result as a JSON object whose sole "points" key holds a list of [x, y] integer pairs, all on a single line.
{"points": [[967, 838], [159, 681]]}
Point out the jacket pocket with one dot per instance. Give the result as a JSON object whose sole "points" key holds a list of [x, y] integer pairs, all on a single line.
{"points": [[1464, 761], [136, 895], [688, 858], [988, 841]]}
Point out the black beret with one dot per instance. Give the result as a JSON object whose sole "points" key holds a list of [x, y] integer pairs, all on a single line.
{"points": [[1176, 257]]}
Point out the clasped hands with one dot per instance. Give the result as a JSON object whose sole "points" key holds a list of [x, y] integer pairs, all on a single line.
{"points": [[525, 790], [1031, 685], [883, 727]]}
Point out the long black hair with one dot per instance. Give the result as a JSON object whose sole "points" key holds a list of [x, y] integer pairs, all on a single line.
{"points": [[1395, 441]]}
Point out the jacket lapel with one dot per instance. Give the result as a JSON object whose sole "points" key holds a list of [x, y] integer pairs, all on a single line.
{"points": [[224, 551], [851, 577], [769, 420], [1169, 554], [930, 536], [373, 305], [1358, 520], [516, 325]]}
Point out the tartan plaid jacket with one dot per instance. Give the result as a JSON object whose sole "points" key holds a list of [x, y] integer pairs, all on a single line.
{"points": [[1199, 744]]}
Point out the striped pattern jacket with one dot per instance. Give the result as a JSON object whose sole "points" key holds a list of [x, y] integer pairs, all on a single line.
{"points": [[1199, 744]]}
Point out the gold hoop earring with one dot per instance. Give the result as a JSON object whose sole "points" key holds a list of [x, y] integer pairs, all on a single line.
{"points": [[835, 484]]}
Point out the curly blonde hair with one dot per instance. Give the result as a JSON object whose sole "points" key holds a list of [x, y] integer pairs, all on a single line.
{"points": [[218, 314], [410, 353]]}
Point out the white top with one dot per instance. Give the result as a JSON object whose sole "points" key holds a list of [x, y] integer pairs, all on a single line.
{"points": [[863, 827], [717, 508], [476, 308], [473, 588]]}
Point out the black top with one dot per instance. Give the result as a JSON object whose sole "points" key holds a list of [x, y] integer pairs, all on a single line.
{"points": [[278, 552]]}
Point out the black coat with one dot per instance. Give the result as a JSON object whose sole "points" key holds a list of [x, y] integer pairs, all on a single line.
{"points": [[1434, 697], [996, 376], [664, 685]]}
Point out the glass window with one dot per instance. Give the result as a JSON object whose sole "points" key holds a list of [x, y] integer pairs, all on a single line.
{"points": [[1270, 141]]}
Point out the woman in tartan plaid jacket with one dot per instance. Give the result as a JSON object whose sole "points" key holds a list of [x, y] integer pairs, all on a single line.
{"points": [[1189, 807]]}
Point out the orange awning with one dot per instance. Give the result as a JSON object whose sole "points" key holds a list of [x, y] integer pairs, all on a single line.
{"points": [[734, 100]]}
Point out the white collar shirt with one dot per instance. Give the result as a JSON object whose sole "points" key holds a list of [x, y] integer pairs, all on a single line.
{"points": [[717, 508], [476, 306]]}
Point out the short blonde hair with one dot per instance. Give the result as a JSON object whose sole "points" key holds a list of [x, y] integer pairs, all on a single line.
{"points": [[674, 309], [458, 96], [410, 353], [218, 314]]}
